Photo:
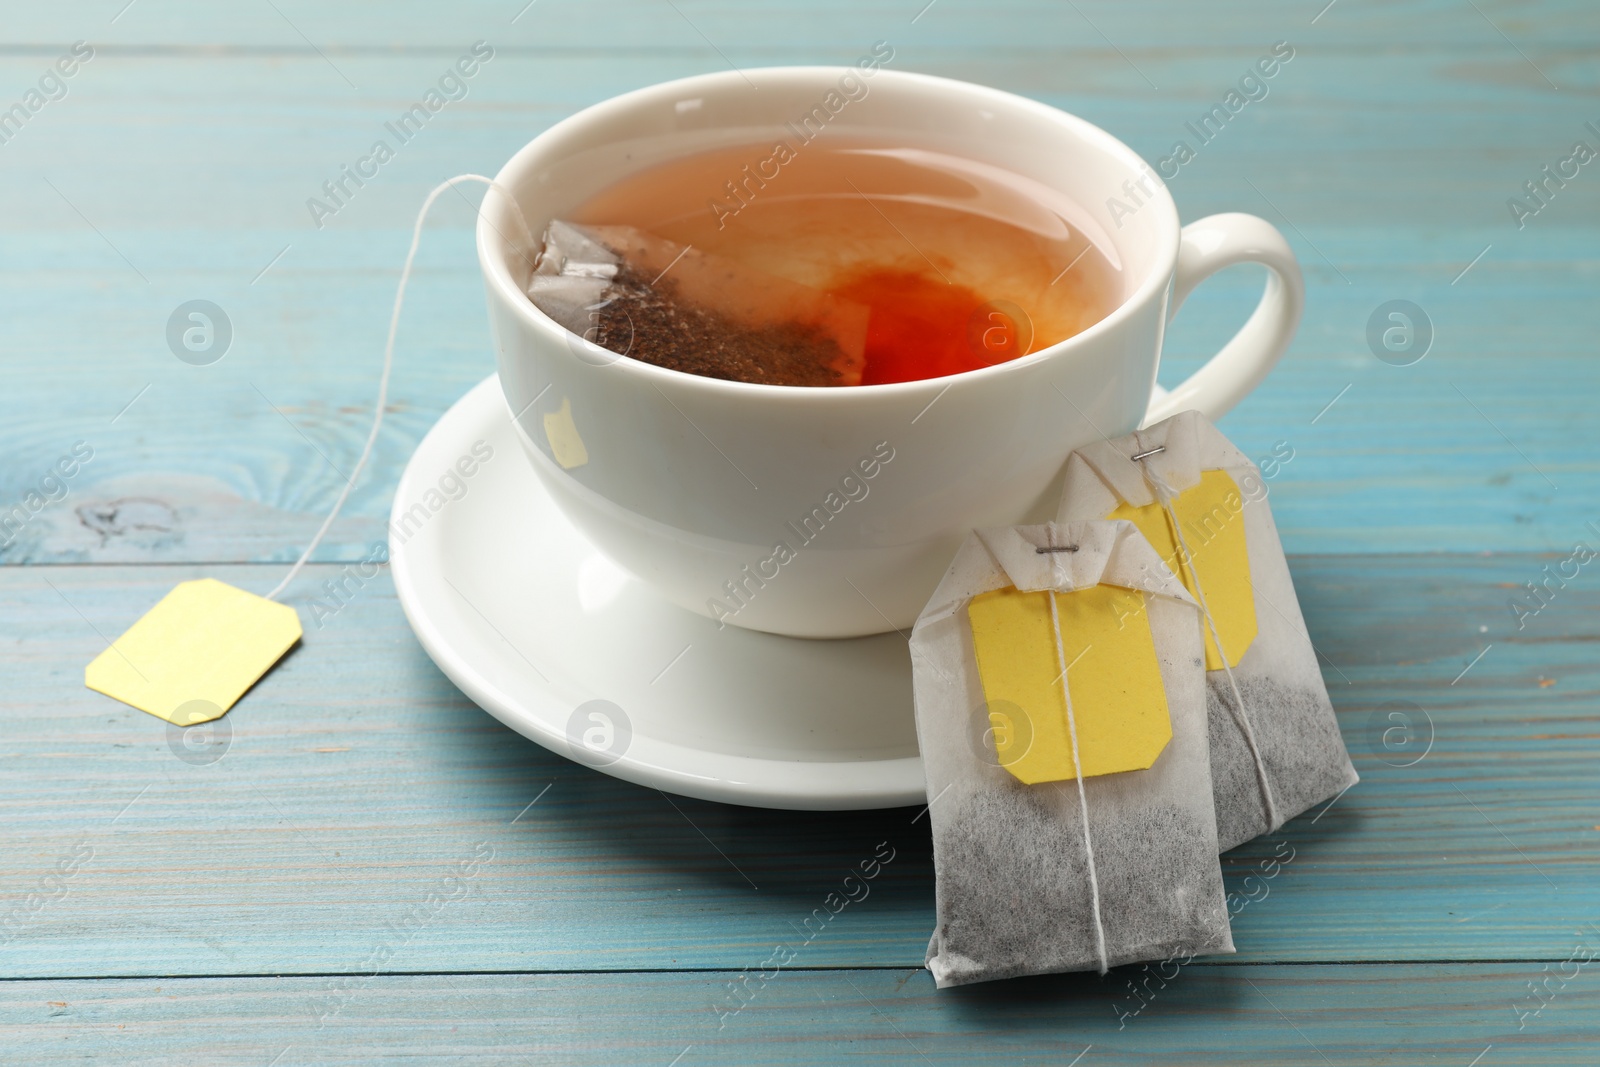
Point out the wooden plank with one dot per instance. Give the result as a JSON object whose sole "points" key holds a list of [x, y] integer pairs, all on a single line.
{"points": [[235, 461], [638, 26], [365, 816], [358, 779], [1356, 1015], [1320, 142]]}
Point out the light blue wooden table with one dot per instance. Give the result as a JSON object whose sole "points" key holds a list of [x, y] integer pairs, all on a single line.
{"points": [[154, 910]]}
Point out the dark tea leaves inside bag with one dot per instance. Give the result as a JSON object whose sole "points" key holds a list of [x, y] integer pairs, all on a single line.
{"points": [[642, 296], [1276, 749]]}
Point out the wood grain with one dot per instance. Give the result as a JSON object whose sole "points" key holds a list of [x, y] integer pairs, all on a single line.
{"points": [[1158, 29], [357, 778], [1312, 1016], [210, 913], [1468, 450]]}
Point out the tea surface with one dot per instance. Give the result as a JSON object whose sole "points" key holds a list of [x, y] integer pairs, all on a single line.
{"points": [[963, 264]]}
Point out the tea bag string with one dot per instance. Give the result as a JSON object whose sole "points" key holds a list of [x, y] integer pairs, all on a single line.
{"points": [[1083, 800], [1165, 494], [388, 356]]}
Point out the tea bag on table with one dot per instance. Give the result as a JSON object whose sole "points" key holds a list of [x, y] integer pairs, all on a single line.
{"points": [[1061, 715], [1275, 744], [643, 296]]}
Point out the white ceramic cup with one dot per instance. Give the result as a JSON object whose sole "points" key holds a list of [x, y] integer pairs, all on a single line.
{"points": [[833, 512]]}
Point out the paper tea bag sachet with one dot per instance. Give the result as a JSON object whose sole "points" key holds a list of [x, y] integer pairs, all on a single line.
{"points": [[1275, 744], [643, 296], [1060, 707]]}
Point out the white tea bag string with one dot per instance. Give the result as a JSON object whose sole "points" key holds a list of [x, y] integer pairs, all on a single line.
{"points": [[388, 357], [1077, 770], [1165, 494]]}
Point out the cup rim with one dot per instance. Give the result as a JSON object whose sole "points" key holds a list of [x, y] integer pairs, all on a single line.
{"points": [[494, 255]]}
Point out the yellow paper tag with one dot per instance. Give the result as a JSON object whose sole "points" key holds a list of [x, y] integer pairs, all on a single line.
{"points": [[1119, 704], [562, 433], [1212, 514], [196, 652]]}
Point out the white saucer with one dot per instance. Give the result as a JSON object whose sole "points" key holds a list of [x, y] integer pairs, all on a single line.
{"points": [[533, 624]]}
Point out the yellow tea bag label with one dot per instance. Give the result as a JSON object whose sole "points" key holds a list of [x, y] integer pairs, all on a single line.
{"points": [[196, 652], [562, 433], [1212, 515], [1119, 704]]}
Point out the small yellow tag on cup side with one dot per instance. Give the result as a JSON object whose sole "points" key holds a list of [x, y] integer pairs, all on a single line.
{"points": [[1119, 704], [196, 652], [562, 433], [1212, 514]]}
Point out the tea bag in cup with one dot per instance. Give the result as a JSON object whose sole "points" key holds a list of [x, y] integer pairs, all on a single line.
{"points": [[1060, 703], [636, 294], [1275, 744]]}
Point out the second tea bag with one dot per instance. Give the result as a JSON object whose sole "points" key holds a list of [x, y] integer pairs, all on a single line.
{"points": [[640, 295], [1061, 717], [1275, 744]]}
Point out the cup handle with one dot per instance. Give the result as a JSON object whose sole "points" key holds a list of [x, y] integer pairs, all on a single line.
{"points": [[1205, 247]]}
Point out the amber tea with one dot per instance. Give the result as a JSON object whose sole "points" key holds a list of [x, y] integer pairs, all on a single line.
{"points": [[870, 263]]}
